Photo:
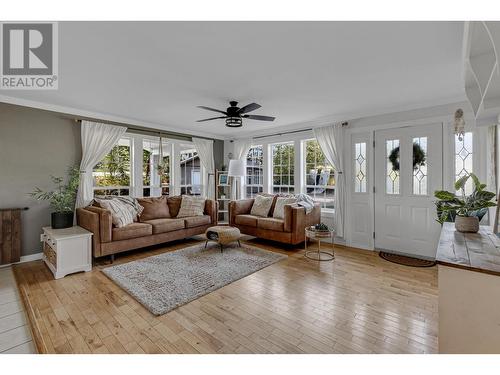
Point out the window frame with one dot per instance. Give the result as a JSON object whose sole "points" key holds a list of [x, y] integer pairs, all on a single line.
{"points": [[95, 188], [289, 187], [166, 153], [190, 149], [260, 186]]}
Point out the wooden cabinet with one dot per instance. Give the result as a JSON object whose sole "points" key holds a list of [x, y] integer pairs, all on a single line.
{"points": [[67, 250]]}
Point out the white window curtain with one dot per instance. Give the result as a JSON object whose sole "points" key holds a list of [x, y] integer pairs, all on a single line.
{"points": [[330, 139], [97, 140], [205, 148], [240, 152]]}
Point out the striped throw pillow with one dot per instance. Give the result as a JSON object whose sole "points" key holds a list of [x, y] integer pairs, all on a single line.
{"points": [[121, 214]]}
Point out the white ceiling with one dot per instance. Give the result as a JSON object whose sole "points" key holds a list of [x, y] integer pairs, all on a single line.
{"points": [[158, 72]]}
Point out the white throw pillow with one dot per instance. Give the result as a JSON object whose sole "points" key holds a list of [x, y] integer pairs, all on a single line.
{"points": [[279, 208], [261, 205], [121, 214], [191, 206]]}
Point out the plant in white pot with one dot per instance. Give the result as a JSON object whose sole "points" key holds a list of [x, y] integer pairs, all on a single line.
{"points": [[465, 210], [62, 199]]}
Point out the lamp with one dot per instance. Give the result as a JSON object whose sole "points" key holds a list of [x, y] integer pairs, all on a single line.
{"points": [[236, 170]]}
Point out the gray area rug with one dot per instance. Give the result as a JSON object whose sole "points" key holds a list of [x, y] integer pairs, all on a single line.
{"points": [[163, 282]]}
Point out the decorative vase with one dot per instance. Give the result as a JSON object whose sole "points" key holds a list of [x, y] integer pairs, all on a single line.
{"points": [[466, 224], [60, 220]]}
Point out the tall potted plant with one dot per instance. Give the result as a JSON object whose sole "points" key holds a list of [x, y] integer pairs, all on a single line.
{"points": [[62, 199], [465, 210]]}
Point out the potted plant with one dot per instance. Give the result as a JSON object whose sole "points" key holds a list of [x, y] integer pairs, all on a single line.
{"points": [[465, 210], [62, 199]]}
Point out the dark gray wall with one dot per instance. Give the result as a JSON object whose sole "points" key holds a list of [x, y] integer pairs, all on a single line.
{"points": [[218, 153], [34, 145]]}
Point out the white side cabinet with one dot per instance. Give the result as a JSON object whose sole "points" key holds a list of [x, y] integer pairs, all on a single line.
{"points": [[67, 250]]}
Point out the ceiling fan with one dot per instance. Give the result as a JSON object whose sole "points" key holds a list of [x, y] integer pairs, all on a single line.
{"points": [[234, 115]]}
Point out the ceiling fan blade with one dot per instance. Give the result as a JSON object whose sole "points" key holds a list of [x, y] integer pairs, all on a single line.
{"points": [[212, 118], [212, 109], [258, 117], [249, 108]]}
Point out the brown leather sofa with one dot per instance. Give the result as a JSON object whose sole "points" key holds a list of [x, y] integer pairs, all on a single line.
{"points": [[109, 240], [290, 229]]}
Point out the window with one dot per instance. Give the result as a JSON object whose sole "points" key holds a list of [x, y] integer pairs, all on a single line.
{"points": [[319, 175], [155, 182], [283, 168], [360, 167], [254, 172], [463, 158], [112, 174], [420, 166], [392, 166], [191, 181]]}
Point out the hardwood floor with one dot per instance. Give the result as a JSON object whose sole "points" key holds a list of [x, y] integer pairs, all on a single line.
{"points": [[358, 303]]}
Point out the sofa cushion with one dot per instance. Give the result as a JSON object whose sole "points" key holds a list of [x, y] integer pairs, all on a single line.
{"points": [[196, 221], [279, 208], [249, 220], [191, 206], [133, 230], [174, 204], [270, 223], [166, 225], [261, 205], [154, 208]]}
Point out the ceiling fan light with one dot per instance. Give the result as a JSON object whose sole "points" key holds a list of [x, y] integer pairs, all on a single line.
{"points": [[234, 122]]}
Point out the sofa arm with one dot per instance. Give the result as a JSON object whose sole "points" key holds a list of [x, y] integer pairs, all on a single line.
{"points": [[296, 220], [105, 222], [240, 207], [212, 210], [90, 221]]}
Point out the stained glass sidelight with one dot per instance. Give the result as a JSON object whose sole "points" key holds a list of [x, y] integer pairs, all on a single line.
{"points": [[360, 167], [392, 172], [463, 158], [420, 170]]}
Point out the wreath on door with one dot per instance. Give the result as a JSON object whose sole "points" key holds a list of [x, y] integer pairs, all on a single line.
{"points": [[418, 157]]}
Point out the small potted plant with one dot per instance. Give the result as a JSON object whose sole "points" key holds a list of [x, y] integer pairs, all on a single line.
{"points": [[62, 199], [465, 210]]}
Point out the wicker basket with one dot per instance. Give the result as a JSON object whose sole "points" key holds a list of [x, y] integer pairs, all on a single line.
{"points": [[467, 224]]}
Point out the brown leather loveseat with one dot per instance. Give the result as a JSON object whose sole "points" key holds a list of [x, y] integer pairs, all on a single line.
{"points": [[109, 240], [290, 229]]}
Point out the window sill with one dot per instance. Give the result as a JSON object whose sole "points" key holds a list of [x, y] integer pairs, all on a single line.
{"points": [[328, 212]]}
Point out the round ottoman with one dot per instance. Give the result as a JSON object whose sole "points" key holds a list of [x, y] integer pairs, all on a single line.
{"points": [[222, 235]]}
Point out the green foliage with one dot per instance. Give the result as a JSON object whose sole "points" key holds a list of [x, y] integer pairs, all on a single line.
{"points": [[476, 204], [418, 157], [114, 168], [62, 199]]}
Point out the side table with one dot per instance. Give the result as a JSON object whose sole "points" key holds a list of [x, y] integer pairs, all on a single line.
{"points": [[319, 255]]}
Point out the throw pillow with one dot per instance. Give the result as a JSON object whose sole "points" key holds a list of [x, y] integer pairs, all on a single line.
{"points": [[279, 208], [120, 212], [154, 208], [261, 205], [191, 206]]}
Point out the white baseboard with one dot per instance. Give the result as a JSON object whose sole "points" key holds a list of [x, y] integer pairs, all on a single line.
{"points": [[31, 257], [25, 258]]}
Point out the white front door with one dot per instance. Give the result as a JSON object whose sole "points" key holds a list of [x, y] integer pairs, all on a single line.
{"points": [[404, 190]]}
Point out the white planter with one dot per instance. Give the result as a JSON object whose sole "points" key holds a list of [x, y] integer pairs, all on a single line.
{"points": [[467, 224]]}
